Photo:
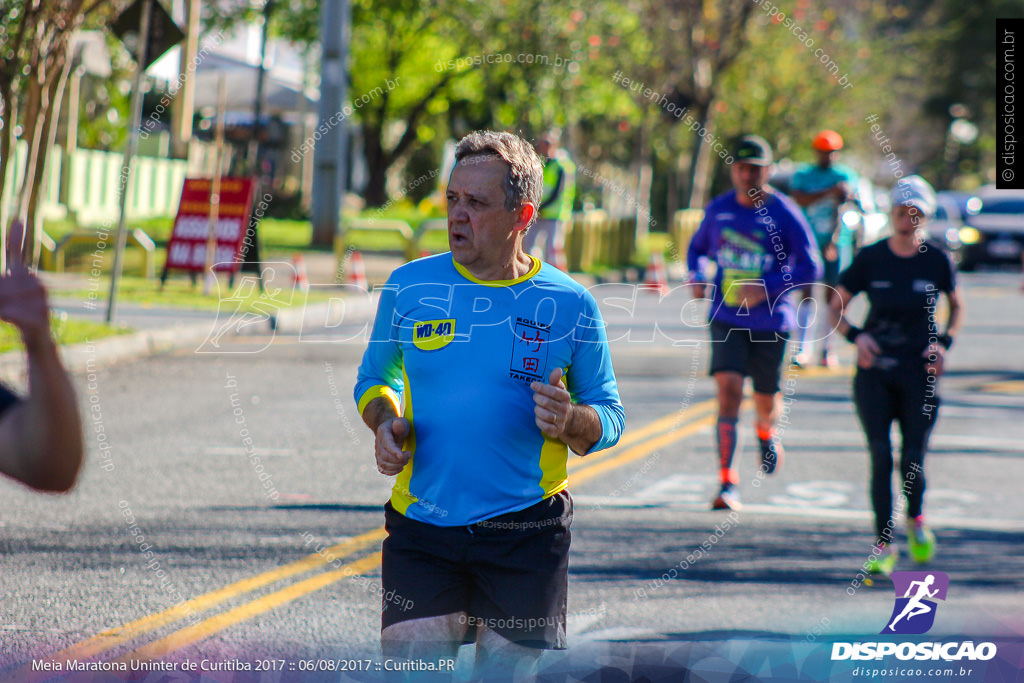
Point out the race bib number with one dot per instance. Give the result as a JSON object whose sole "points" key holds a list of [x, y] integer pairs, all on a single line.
{"points": [[732, 280]]}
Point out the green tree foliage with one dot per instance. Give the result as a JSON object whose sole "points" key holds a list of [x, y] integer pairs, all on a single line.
{"points": [[806, 69], [783, 69], [400, 87], [34, 67], [961, 39]]}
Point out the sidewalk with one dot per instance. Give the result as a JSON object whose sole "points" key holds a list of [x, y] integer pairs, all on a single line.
{"points": [[157, 329]]}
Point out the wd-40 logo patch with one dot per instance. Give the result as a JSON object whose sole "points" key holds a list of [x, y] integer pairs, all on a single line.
{"points": [[916, 593], [431, 335]]}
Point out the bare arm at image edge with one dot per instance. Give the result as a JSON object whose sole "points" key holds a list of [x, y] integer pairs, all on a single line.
{"points": [[40, 436]]}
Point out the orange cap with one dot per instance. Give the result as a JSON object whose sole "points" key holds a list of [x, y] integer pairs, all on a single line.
{"points": [[828, 141]]}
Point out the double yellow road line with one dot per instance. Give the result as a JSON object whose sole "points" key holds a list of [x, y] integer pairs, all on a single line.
{"points": [[632, 446]]}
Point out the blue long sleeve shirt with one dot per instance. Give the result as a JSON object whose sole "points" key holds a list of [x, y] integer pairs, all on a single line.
{"points": [[456, 356]]}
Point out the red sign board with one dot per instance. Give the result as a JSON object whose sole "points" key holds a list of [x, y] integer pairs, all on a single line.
{"points": [[186, 249]]}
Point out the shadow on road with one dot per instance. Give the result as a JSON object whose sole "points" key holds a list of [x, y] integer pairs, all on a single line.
{"points": [[776, 551]]}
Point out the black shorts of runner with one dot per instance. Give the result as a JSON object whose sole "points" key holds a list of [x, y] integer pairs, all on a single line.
{"points": [[509, 573], [757, 353]]}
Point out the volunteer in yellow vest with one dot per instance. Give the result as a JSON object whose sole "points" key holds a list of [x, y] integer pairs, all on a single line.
{"points": [[556, 201]]}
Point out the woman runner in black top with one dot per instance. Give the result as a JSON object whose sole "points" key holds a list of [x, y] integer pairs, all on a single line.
{"points": [[899, 359]]}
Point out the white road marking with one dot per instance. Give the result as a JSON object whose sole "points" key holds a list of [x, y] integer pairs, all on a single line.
{"points": [[617, 633], [944, 505], [937, 522], [806, 494], [817, 437], [239, 450], [576, 625], [676, 487]]}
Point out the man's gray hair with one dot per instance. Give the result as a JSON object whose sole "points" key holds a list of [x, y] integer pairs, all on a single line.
{"points": [[525, 179]]}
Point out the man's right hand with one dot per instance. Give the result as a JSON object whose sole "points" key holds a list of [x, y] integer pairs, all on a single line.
{"points": [[867, 349], [391, 435], [22, 296], [830, 252]]}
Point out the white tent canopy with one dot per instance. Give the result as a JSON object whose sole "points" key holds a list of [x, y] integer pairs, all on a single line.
{"points": [[281, 97]]}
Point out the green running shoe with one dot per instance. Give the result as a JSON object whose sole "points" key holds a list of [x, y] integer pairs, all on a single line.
{"points": [[883, 559], [921, 541]]}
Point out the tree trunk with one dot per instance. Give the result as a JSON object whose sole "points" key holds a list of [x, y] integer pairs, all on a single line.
{"points": [[9, 119], [41, 89], [376, 192], [34, 68], [671, 195], [53, 95], [700, 160], [32, 135], [645, 179]]}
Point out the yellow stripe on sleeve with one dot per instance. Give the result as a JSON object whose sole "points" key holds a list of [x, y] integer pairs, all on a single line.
{"points": [[377, 391], [401, 496]]}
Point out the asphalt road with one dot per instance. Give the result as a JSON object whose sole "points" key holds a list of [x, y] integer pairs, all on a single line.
{"points": [[172, 507]]}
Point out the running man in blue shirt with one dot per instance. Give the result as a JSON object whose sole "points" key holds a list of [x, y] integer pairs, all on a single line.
{"points": [[762, 248], [484, 368]]}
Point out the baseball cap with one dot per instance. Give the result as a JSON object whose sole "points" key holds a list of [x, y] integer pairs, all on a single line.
{"points": [[753, 149], [827, 141], [914, 191]]}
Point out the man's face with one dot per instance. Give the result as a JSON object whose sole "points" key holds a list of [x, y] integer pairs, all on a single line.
{"points": [[906, 220], [825, 158], [545, 146], [481, 232], [747, 177]]}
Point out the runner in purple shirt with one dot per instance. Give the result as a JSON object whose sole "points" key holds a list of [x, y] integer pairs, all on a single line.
{"points": [[762, 248]]}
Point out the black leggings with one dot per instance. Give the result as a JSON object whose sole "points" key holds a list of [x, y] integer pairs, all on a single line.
{"points": [[902, 393]]}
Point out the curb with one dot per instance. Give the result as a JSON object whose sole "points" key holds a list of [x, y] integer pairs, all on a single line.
{"points": [[88, 356], [337, 311], [627, 275]]}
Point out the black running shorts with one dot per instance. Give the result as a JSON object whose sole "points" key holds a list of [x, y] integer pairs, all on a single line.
{"points": [[757, 353], [509, 573]]}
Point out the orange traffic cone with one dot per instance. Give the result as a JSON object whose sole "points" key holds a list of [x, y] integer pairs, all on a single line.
{"points": [[300, 279], [655, 279], [357, 271]]}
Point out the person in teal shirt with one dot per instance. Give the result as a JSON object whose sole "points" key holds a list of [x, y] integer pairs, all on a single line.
{"points": [[820, 189], [485, 367]]}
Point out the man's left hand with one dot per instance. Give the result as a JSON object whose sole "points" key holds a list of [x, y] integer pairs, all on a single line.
{"points": [[935, 356], [553, 405], [752, 294]]}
